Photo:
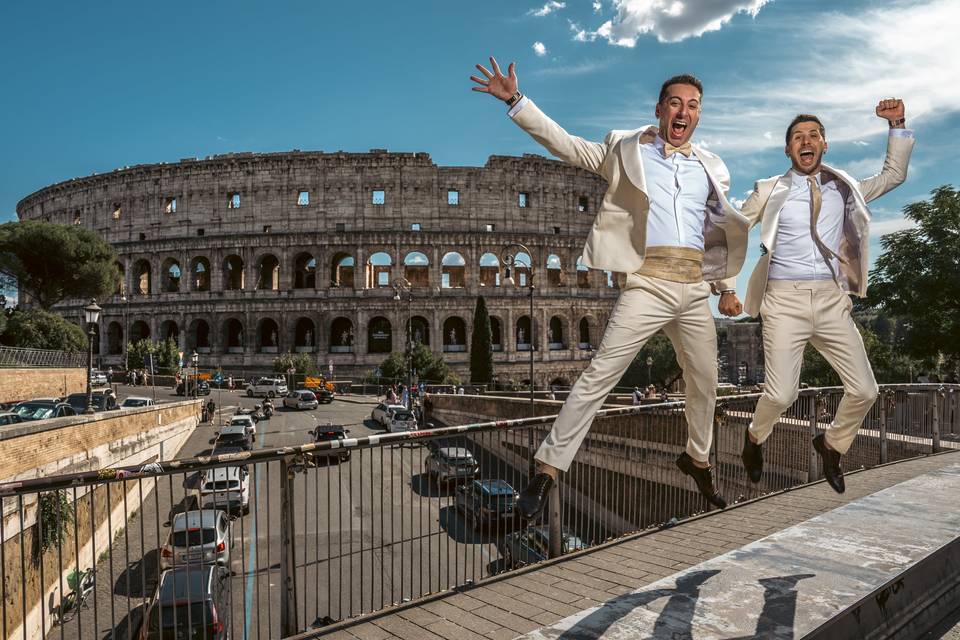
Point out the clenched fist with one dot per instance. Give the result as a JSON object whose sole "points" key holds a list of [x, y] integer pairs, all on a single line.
{"points": [[890, 110]]}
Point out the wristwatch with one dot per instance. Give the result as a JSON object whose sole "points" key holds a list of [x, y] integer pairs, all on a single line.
{"points": [[897, 123], [514, 99]]}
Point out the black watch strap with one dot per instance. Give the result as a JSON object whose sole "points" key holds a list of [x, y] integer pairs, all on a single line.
{"points": [[514, 99]]}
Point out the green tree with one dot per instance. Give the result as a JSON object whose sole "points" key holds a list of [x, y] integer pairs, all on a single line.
{"points": [[917, 279], [429, 368], [481, 349], [166, 355], [663, 371], [39, 329], [889, 365], [53, 262], [302, 362]]}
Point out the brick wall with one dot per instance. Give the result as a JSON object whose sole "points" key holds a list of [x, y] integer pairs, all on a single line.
{"points": [[23, 384]]}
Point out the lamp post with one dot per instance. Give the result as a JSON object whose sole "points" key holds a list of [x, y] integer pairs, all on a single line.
{"points": [[508, 257], [649, 365], [403, 286], [126, 366], [91, 314], [195, 360]]}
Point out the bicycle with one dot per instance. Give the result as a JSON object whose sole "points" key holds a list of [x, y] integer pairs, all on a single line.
{"points": [[81, 585]]}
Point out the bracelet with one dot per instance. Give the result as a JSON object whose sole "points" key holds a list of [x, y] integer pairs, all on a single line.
{"points": [[514, 99], [897, 123]]}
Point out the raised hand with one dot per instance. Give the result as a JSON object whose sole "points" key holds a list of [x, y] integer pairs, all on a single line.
{"points": [[890, 109], [495, 83]]}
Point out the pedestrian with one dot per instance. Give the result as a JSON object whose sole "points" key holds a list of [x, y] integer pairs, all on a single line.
{"points": [[665, 223], [637, 396]]}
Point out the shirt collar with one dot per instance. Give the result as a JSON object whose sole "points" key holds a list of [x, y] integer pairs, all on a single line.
{"points": [[801, 178]]}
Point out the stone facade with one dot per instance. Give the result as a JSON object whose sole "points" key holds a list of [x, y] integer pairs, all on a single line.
{"points": [[244, 256]]}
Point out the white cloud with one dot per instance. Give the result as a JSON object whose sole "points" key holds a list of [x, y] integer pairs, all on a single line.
{"points": [[883, 227], [861, 143], [547, 9], [597, 5], [540, 49], [668, 20], [768, 135], [579, 69]]}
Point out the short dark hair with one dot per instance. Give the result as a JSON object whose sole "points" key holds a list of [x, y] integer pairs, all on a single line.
{"points": [[804, 117], [684, 78]]}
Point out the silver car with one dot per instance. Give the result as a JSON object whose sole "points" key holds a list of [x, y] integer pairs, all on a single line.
{"points": [[401, 420], [197, 537], [300, 399], [449, 464]]}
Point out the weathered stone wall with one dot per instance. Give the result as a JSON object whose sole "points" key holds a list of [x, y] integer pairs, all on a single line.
{"points": [[23, 384]]}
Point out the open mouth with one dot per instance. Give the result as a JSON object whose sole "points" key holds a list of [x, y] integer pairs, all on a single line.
{"points": [[807, 156], [678, 128]]}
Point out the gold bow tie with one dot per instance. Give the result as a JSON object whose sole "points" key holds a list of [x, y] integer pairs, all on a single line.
{"points": [[669, 149]]}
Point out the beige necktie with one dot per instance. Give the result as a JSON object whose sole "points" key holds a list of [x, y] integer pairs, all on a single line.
{"points": [[669, 149], [816, 200]]}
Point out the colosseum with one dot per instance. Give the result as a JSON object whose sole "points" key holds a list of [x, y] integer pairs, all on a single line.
{"points": [[244, 256]]}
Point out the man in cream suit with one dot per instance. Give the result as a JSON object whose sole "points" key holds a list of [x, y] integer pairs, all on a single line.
{"points": [[666, 223], [815, 236]]}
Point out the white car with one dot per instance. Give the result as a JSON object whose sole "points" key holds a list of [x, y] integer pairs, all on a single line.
{"points": [[270, 387], [136, 402], [197, 537], [247, 421], [382, 412], [98, 378], [301, 399], [226, 488], [402, 420]]}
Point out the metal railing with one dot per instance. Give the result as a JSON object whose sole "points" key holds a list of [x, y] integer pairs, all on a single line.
{"points": [[11, 357], [338, 529]]}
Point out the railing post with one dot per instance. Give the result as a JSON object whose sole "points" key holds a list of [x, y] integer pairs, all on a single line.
{"points": [[884, 400], [288, 576], [811, 452], [556, 524], [935, 437]]}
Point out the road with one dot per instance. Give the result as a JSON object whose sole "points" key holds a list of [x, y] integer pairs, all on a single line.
{"points": [[367, 532]]}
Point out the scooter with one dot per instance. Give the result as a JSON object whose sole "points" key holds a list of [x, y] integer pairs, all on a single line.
{"points": [[267, 411]]}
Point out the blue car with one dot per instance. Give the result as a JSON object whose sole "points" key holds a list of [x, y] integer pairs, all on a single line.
{"points": [[533, 545], [484, 503]]}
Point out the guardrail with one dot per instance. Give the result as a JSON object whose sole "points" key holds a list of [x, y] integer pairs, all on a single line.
{"points": [[11, 357], [347, 527]]}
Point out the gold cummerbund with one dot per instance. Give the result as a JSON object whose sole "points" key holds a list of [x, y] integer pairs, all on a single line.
{"points": [[675, 264]]}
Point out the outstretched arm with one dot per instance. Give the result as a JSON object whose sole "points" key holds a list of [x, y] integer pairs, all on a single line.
{"points": [[899, 147], [502, 87]]}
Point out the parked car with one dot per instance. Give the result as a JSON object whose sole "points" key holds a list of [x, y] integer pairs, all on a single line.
{"points": [[300, 399], [485, 503], [8, 417], [100, 401], [270, 387], [43, 409], [196, 538], [246, 420], [226, 488], [98, 378], [135, 402], [449, 464], [327, 432], [381, 412], [185, 388], [235, 435], [401, 420], [533, 545], [190, 602]]}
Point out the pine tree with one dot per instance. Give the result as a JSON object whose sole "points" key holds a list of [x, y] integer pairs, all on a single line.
{"points": [[481, 351]]}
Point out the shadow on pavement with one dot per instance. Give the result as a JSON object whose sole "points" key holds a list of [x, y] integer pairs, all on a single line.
{"points": [[139, 580]]}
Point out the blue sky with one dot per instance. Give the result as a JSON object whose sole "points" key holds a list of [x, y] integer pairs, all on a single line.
{"points": [[94, 86]]}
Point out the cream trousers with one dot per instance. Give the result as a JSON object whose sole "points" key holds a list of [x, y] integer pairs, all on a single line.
{"points": [[795, 312], [645, 306]]}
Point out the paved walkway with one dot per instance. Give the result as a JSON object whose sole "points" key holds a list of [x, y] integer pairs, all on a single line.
{"points": [[521, 602]]}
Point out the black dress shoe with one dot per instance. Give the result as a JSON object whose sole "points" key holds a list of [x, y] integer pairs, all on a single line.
{"points": [[831, 464], [752, 457], [533, 498], [703, 478]]}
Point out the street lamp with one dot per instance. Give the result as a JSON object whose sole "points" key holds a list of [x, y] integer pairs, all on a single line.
{"points": [[91, 314], [402, 285], [195, 360], [508, 257], [649, 365], [126, 366]]}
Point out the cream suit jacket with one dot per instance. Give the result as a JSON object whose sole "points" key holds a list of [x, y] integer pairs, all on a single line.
{"points": [[769, 195], [617, 241]]}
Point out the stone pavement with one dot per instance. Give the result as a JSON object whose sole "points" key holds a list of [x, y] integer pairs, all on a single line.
{"points": [[524, 601]]}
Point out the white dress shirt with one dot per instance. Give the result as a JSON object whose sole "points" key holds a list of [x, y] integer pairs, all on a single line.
{"points": [[678, 189]]}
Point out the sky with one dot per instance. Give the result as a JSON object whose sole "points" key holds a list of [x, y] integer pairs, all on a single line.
{"points": [[89, 87]]}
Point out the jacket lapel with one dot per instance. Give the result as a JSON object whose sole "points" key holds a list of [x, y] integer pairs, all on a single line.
{"points": [[630, 156], [771, 212]]}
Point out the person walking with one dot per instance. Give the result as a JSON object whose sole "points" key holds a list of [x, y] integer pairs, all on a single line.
{"points": [[666, 223]]}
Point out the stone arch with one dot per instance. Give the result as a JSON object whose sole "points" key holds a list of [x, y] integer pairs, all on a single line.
{"points": [[554, 271], [341, 335], [523, 333], [198, 336], [304, 271], [557, 333], [342, 269], [559, 382], [122, 284], [170, 276], [379, 270], [142, 277], [304, 335], [520, 270], [453, 271], [200, 274], [234, 278], [379, 335], [139, 330], [489, 270], [114, 338], [268, 336], [586, 332], [268, 273], [496, 333], [416, 269], [454, 334], [170, 329], [583, 274], [420, 331], [233, 336]]}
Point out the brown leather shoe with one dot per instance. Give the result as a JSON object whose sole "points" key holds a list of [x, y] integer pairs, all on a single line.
{"points": [[831, 464], [752, 457], [703, 478], [533, 498]]}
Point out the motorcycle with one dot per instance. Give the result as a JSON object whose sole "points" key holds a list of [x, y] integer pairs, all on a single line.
{"points": [[267, 411]]}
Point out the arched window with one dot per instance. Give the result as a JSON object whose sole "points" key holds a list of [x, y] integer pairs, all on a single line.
{"points": [[379, 335], [171, 276], [268, 336], [489, 270], [341, 271], [122, 283], [141, 278], [233, 277], [233, 336], [420, 331], [305, 335], [583, 274], [200, 270], [555, 334], [416, 269], [139, 330], [268, 273], [454, 334], [453, 270], [304, 272], [198, 336], [379, 268], [554, 271], [496, 334], [524, 334], [585, 341], [114, 338], [170, 331], [341, 336]]}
